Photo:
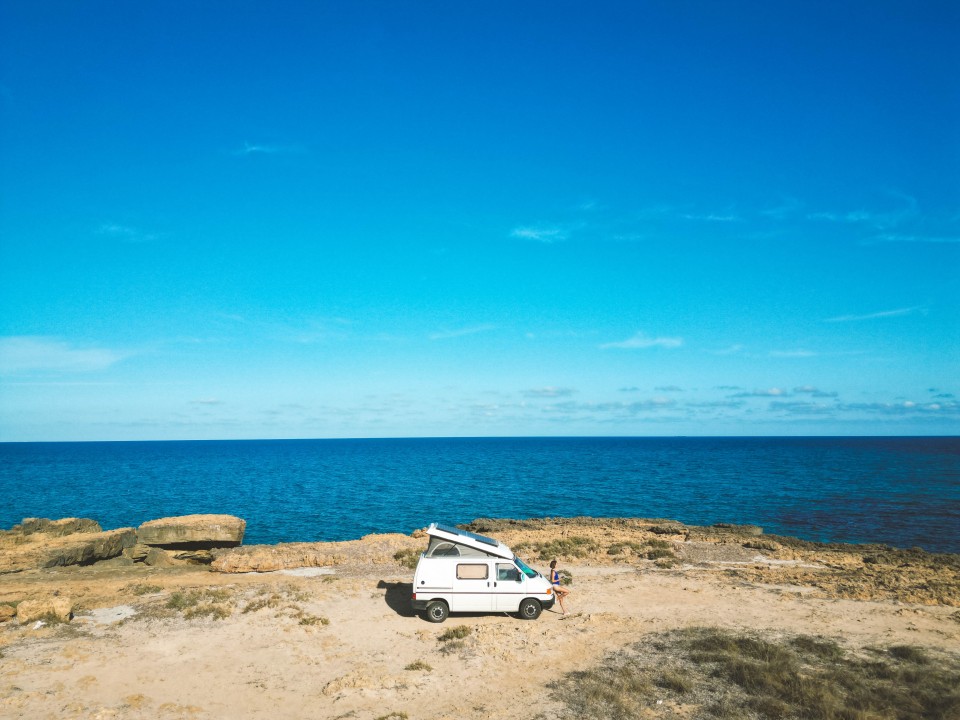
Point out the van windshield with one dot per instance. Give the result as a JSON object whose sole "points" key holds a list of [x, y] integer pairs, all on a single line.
{"points": [[528, 571]]}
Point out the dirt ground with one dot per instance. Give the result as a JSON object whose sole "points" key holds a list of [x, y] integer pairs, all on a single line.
{"points": [[342, 642]]}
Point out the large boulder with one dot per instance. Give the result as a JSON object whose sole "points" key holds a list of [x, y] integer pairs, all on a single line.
{"points": [[88, 547], [58, 608], [193, 531]]}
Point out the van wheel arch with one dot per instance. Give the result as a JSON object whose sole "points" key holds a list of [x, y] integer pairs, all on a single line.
{"points": [[436, 611], [530, 609]]}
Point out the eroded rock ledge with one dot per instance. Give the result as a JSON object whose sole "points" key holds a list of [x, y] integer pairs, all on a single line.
{"points": [[39, 543]]}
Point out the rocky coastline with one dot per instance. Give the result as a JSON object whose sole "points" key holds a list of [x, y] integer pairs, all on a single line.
{"points": [[859, 572], [178, 618]]}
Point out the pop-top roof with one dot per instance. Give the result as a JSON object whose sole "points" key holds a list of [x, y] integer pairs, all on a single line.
{"points": [[480, 542], [466, 533]]}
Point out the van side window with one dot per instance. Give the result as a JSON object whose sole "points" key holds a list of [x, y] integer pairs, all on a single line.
{"points": [[507, 571], [445, 550], [472, 571]]}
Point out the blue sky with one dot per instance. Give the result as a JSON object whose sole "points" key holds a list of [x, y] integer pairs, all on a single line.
{"points": [[368, 219]]}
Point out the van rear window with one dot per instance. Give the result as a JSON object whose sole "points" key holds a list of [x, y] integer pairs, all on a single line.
{"points": [[471, 571]]}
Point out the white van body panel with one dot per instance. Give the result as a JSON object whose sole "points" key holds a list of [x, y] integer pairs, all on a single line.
{"points": [[472, 573]]}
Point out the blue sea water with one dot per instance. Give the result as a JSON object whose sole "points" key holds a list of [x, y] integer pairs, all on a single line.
{"points": [[898, 491]]}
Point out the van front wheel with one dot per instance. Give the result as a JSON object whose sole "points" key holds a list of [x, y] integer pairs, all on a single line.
{"points": [[437, 611], [530, 609]]}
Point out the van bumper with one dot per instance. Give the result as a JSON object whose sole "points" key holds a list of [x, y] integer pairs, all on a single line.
{"points": [[547, 604], [419, 604]]}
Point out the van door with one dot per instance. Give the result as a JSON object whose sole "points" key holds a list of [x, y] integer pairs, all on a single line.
{"points": [[472, 585], [508, 587]]}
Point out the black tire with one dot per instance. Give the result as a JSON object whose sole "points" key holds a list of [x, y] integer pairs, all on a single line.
{"points": [[437, 611], [530, 609]]}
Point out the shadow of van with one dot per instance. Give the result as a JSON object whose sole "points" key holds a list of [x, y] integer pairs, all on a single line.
{"points": [[398, 596]]}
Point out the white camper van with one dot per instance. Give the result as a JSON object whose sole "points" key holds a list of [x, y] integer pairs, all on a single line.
{"points": [[461, 571]]}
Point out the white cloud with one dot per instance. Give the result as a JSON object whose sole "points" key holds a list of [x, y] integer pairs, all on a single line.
{"points": [[898, 238], [540, 234], [461, 332], [792, 353], [788, 206], [813, 392], [732, 350], [801, 408], [640, 341], [905, 407], [126, 233], [37, 353], [549, 392], [261, 149], [710, 217], [900, 312], [771, 392]]}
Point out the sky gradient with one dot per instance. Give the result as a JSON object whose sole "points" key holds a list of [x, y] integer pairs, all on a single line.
{"points": [[381, 219]]}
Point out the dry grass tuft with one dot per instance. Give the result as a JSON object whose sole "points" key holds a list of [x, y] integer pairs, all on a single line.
{"points": [[142, 589], [455, 633], [419, 665], [570, 547], [408, 558], [308, 619], [210, 602], [748, 676]]}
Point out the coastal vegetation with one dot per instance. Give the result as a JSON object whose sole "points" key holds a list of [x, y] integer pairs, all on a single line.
{"points": [[634, 647], [407, 557], [724, 674], [209, 602], [419, 665]]}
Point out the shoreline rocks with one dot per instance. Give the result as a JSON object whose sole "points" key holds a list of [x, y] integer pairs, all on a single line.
{"points": [[193, 532], [39, 543]]}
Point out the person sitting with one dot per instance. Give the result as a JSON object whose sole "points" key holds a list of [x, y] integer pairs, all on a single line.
{"points": [[561, 592]]}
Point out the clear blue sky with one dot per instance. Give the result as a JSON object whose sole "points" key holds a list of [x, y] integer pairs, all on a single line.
{"points": [[366, 219]]}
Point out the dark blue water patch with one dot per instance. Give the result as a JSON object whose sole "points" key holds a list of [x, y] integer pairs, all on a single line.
{"points": [[899, 491]]}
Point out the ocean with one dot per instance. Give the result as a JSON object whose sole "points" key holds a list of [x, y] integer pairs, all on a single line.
{"points": [[900, 491]]}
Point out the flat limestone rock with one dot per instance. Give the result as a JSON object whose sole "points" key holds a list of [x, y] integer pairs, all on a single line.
{"points": [[89, 547], [193, 531], [57, 528], [268, 558], [40, 550]]}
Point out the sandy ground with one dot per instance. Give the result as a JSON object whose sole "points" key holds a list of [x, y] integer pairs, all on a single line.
{"points": [[126, 656]]}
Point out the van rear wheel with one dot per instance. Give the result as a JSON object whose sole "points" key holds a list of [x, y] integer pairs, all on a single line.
{"points": [[437, 611], [530, 609]]}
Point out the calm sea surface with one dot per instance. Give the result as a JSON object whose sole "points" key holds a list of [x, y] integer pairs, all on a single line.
{"points": [[898, 491]]}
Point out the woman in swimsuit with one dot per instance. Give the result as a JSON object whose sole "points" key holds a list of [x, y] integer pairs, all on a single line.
{"points": [[561, 592]]}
